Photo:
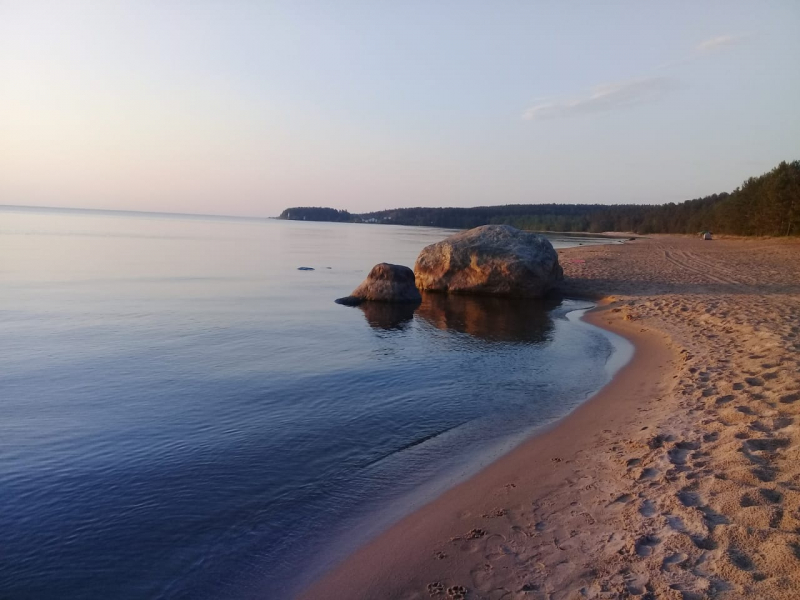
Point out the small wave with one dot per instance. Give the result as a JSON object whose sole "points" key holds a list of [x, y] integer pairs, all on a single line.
{"points": [[411, 444]]}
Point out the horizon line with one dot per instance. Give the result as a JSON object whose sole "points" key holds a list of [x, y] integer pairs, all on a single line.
{"points": [[127, 211]]}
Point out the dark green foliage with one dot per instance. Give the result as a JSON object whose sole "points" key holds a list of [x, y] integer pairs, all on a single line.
{"points": [[315, 213], [764, 205]]}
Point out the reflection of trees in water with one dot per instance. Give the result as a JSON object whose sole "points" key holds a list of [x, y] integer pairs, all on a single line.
{"points": [[387, 315], [490, 318]]}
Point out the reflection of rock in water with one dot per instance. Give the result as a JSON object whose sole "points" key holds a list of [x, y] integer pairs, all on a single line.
{"points": [[489, 317], [386, 315]]}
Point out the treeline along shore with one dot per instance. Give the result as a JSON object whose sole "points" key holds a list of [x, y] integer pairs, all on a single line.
{"points": [[767, 205]]}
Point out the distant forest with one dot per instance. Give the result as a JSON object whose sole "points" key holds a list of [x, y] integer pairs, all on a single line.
{"points": [[768, 205]]}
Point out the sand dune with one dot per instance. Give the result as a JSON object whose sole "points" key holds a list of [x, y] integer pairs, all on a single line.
{"points": [[681, 479]]}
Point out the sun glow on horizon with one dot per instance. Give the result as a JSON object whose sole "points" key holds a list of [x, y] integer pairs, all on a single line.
{"points": [[243, 109]]}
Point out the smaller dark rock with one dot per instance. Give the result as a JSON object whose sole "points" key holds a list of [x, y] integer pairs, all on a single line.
{"points": [[349, 301], [385, 283]]}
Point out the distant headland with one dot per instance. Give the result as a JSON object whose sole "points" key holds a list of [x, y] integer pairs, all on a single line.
{"points": [[767, 205]]}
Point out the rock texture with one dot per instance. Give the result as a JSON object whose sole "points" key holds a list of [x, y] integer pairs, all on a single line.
{"points": [[492, 259], [385, 283]]}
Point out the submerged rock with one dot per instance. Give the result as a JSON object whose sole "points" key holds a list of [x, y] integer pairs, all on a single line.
{"points": [[305, 268], [385, 283], [491, 259]]}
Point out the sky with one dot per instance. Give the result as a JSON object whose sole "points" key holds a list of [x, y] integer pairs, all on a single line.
{"points": [[246, 108]]}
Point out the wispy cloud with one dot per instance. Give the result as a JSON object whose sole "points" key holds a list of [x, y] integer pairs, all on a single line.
{"points": [[718, 42], [609, 96], [704, 48], [612, 96]]}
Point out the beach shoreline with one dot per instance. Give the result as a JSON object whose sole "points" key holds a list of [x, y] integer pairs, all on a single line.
{"points": [[541, 462], [639, 490]]}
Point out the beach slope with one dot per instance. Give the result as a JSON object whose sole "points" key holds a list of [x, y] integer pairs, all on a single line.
{"points": [[680, 479]]}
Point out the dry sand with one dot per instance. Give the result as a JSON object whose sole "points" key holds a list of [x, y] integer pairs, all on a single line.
{"points": [[680, 479]]}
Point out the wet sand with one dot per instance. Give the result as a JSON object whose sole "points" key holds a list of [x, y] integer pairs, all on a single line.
{"points": [[680, 479]]}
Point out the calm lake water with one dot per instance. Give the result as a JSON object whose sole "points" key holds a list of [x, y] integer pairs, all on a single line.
{"points": [[184, 414]]}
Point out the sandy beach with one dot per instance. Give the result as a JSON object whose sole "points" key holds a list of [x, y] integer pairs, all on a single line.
{"points": [[680, 479]]}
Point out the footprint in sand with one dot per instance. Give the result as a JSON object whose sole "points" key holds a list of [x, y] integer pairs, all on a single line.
{"points": [[678, 453], [621, 500], [646, 544], [689, 498], [482, 577], [649, 473], [767, 444], [790, 398], [775, 518], [771, 496], [496, 547], [689, 592], [712, 518], [658, 441], [676, 523], [740, 560], [673, 561], [475, 534], [760, 427], [436, 588], [457, 592], [704, 543], [795, 546], [647, 509], [747, 501], [636, 584], [765, 473]]}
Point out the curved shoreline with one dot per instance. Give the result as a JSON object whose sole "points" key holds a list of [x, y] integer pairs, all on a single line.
{"points": [[414, 552], [679, 479]]}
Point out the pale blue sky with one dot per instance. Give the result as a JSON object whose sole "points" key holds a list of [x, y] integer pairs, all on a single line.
{"points": [[249, 107]]}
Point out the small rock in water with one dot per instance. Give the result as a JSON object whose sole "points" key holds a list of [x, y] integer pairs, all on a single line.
{"points": [[349, 301], [385, 283], [305, 268]]}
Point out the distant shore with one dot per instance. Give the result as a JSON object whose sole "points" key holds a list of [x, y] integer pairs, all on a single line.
{"points": [[680, 479]]}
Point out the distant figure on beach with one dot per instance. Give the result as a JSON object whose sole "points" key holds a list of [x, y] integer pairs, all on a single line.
{"points": [[706, 235]]}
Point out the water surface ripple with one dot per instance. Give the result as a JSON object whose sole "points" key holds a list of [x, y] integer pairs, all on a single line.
{"points": [[184, 414]]}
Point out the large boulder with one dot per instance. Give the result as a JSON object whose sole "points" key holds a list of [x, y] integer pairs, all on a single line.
{"points": [[385, 283], [492, 259]]}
